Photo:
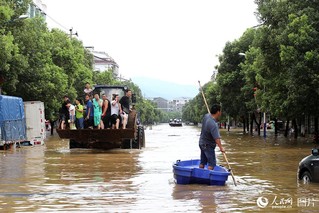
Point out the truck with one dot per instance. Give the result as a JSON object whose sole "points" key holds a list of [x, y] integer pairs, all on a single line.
{"points": [[12, 121], [132, 137], [35, 122]]}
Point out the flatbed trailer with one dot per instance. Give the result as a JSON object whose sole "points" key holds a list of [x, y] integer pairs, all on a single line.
{"points": [[131, 137]]}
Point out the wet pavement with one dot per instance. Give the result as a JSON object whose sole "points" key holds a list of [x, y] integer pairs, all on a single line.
{"points": [[53, 178]]}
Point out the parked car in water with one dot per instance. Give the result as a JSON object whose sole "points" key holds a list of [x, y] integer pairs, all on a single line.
{"points": [[308, 170]]}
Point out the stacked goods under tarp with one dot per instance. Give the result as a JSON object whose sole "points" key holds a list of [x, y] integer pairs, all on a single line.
{"points": [[12, 120]]}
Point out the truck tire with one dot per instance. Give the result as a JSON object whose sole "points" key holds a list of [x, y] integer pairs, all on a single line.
{"points": [[138, 142]]}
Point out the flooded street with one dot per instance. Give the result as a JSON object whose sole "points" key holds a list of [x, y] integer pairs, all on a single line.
{"points": [[53, 178]]}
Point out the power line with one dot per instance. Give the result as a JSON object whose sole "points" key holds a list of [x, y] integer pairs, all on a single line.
{"points": [[65, 28], [47, 15]]}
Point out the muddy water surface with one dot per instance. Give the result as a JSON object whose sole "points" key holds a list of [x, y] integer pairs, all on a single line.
{"points": [[53, 178]]}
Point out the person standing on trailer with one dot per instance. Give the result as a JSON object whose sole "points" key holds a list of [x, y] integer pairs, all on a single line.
{"points": [[88, 89], [71, 108], [89, 118], [64, 113], [106, 112], [115, 112], [79, 114], [125, 106], [97, 107]]}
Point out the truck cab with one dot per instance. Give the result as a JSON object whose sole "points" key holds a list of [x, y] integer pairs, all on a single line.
{"points": [[109, 90]]}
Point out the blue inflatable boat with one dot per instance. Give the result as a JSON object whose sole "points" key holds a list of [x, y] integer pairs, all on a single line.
{"points": [[188, 172]]}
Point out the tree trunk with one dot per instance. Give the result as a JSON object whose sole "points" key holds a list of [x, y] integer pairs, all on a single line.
{"points": [[251, 124], [244, 125], [258, 124], [316, 124], [294, 124], [276, 127], [247, 123], [287, 128], [308, 125], [52, 126], [260, 116]]}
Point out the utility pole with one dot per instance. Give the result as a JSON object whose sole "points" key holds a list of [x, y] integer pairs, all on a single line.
{"points": [[71, 32]]}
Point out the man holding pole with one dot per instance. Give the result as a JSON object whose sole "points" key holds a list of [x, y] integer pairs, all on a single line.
{"points": [[209, 137]]}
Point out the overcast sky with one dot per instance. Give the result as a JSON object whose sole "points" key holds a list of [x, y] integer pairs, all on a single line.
{"points": [[173, 40]]}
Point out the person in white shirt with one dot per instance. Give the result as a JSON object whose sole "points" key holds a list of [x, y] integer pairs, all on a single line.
{"points": [[87, 89], [71, 108], [116, 110]]}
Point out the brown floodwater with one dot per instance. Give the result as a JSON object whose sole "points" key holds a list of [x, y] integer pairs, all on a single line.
{"points": [[53, 178]]}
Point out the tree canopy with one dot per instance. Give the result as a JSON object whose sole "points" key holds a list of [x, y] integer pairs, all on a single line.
{"points": [[41, 64], [271, 68]]}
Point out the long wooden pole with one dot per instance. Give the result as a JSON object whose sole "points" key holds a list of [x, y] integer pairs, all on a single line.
{"points": [[224, 154]]}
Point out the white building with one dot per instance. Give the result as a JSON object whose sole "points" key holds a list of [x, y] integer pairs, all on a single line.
{"points": [[103, 62], [177, 104]]}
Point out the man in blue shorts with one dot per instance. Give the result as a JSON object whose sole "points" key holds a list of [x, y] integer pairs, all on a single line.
{"points": [[89, 118], [209, 137]]}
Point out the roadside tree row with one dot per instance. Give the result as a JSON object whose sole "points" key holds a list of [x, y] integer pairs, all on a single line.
{"points": [[41, 64], [272, 68]]}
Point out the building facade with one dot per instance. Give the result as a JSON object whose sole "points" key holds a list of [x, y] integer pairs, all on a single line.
{"points": [[177, 104], [37, 8], [104, 62], [161, 103]]}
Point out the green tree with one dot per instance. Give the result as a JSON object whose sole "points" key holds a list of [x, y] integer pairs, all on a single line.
{"points": [[70, 55], [104, 78], [9, 51], [232, 86], [41, 65], [290, 48], [194, 110], [146, 110], [36, 77]]}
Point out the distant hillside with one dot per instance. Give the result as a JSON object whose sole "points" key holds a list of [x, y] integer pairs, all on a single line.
{"points": [[158, 88]]}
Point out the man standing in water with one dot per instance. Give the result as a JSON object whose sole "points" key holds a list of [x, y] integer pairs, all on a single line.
{"points": [[209, 137]]}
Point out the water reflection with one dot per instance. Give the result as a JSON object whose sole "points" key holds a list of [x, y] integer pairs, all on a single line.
{"points": [[52, 178]]}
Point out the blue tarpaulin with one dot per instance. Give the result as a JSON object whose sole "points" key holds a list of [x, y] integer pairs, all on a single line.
{"points": [[12, 119]]}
